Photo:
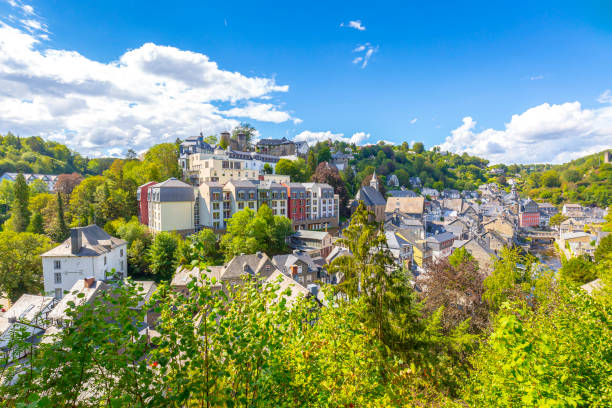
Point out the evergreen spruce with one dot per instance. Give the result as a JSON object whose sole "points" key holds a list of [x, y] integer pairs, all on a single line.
{"points": [[36, 224], [21, 213], [60, 230]]}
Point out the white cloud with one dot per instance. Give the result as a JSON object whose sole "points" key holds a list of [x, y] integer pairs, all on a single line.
{"points": [[605, 97], [413, 121], [368, 50], [264, 112], [149, 95], [545, 133], [536, 77], [25, 8], [314, 137], [34, 25], [356, 24]]}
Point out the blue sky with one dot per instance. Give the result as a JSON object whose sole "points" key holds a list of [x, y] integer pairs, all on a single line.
{"points": [[445, 74]]}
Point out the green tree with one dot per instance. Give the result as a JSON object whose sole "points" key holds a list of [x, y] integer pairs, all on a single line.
{"points": [[268, 169], [20, 263], [202, 248], [163, 255], [36, 224], [60, 231], [311, 162], [511, 277], [324, 154], [604, 249], [418, 147], [165, 157], [550, 178], [579, 270], [21, 213], [557, 219], [460, 256]]}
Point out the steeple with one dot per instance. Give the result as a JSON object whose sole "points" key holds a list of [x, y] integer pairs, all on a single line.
{"points": [[374, 181]]}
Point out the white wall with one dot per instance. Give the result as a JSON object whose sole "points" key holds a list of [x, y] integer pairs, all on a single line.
{"points": [[74, 268]]}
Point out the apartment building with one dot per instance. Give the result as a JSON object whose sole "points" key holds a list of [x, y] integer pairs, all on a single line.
{"points": [[142, 195], [322, 206], [296, 204], [203, 167], [274, 195], [171, 207]]}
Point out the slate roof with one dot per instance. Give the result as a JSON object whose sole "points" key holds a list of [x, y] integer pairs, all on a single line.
{"points": [[174, 190], [27, 308], [59, 311], [402, 193], [442, 237], [94, 242], [252, 264], [310, 235], [370, 196], [273, 142]]}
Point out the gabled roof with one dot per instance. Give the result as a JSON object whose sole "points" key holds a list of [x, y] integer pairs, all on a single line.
{"points": [[312, 235], [370, 196], [94, 242], [252, 264], [272, 142], [442, 237]]}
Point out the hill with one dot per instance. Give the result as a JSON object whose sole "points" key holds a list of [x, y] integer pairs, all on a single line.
{"points": [[35, 155]]}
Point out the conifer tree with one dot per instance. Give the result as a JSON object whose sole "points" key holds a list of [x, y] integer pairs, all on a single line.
{"points": [[21, 213], [60, 230], [36, 224]]}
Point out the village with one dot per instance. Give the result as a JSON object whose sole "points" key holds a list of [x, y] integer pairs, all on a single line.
{"points": [[421, 225]]}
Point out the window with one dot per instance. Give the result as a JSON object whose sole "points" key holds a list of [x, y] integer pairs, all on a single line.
{"points": [[121, 252], [267, 268], [58, 277], [121, 265], [308, 278], [58, 293], [57, 264], [104, 260]]}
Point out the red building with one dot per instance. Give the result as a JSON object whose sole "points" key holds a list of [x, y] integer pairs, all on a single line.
{"points": [[296, 203], [143, 202], [529, 214]]}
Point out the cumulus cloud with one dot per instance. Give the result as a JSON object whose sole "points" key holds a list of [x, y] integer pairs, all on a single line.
{"points": [[356, 24], [545, 133], [368, 50], [148, 95], [314, 137], [413, 121]]}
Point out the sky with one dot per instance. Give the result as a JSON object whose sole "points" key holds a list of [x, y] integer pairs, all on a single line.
{"points": [[513, 82]]}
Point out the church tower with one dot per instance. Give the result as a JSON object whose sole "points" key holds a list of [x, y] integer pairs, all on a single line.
{"points": [[374, 181]]}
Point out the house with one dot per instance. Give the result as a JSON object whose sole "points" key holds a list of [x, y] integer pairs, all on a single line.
{"points": [[171, 207], [296, 203], [192, 145], [48, 179], [315, 243], [571, 225], [89, 252], [415, 182], [341, 160], [459, 228], [84, 291], [413, 230], [495, 242], [301, 148], [502, 226], [451, 194], [529, 214], [572, 210], [233, 274], [400, 248], [456, 205], [373, 200], [401, 193], [28, 318], [569, 238], [298, 265], [412, 207], [547, 210], [430, 192], [481, 253], [440, 244], [276, 147], [421, 253], [393, 181]]}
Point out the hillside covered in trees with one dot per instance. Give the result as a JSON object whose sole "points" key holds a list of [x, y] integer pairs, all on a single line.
{"points": [[587, 180]]}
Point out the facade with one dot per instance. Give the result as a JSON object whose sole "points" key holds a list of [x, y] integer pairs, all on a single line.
{"points": [[373, 200], [142, 195], [48, 179], [322, 207], [315, 243], [411, 207], [341, 160], [441, 244], [89, 252], [299, 266], [296, 204], [529, 214], [276, 147], [192, 145], [171, 207], [274, 195]]}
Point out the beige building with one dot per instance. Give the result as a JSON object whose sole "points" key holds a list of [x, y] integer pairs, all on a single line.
{"points": [[203, 167], [171, 207]]}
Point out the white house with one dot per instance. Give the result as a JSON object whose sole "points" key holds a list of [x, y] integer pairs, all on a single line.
{"points": [[89, 252], [48, 179]]}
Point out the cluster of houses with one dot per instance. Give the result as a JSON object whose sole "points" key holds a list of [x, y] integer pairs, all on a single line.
{"points": [[581, 232]]}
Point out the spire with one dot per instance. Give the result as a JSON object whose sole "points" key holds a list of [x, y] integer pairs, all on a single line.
{"points": [[374, 181]]}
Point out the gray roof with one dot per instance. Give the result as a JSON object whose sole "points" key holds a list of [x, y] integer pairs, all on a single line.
{"points": [[442, 237], [94, 242], [370, 196], [242, 183], [402, 193], [174, 190], [252, 264], [59, 311], [312, 235], [284, 261], [27, 308]]}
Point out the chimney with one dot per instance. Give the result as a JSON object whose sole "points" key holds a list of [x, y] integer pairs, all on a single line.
{"points": [[294, 270], [75, 240], [258, 254], [89, 283]]}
